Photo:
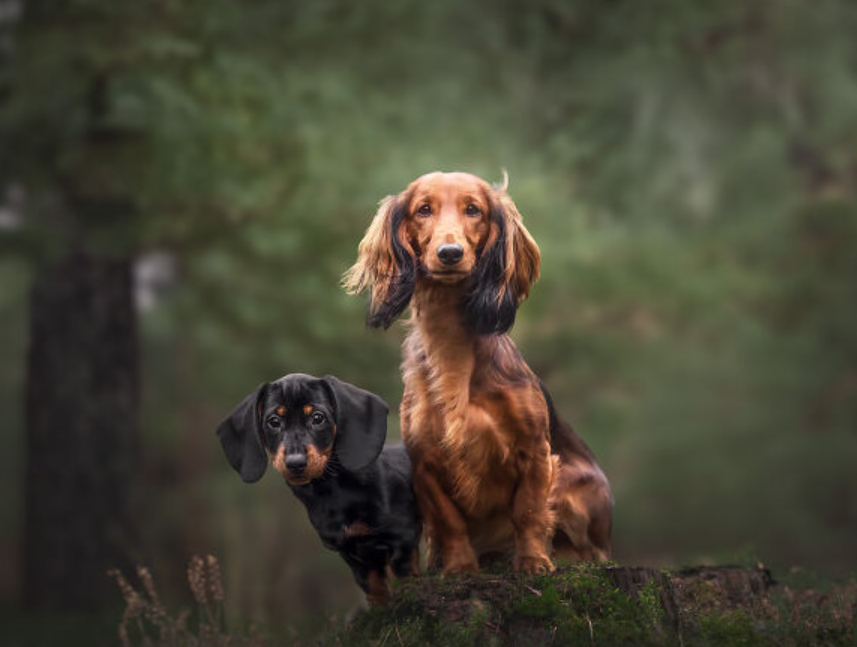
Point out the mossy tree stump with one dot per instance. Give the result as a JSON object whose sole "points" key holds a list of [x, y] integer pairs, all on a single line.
{"points": [[609, 605]]}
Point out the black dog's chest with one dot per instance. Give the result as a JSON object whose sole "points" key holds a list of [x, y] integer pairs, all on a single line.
{"points": [[341, 513]]}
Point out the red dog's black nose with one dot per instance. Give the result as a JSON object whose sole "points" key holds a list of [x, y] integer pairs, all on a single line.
{"points": [[296, 463], [450, 253]]}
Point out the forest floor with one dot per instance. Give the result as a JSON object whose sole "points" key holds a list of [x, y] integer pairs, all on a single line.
{"points": [[609, 605], [581, 604]]}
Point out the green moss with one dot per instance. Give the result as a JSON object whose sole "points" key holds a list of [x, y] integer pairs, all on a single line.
{"points": [[474, 632], [729, 628], [813, 623], [583, 606], [544, 603], [649, 601]]}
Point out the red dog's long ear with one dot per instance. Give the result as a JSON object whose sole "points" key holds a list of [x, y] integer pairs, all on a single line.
{"points": [[523, 258], [505, 272], [384, 265]]}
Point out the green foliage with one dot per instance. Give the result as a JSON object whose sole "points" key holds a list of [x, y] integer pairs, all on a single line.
{"points": [[117, 147], [731, 628], [545, 604]]}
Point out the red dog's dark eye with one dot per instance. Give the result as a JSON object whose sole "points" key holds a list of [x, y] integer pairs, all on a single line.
{"points": [[424, 210], [472, 210]]}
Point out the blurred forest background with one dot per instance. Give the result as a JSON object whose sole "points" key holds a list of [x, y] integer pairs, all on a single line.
{"points": [[182, 184]]}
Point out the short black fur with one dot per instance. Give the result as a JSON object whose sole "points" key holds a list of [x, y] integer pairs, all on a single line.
{"points": [[485, 312], [363, 504], [381, 498], [403, 283]]}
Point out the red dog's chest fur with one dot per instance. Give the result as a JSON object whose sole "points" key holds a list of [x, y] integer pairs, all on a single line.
{"points": [[470, 414]]}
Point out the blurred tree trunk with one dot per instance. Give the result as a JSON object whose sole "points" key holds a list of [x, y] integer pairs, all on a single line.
{"points": [[81, 430]]}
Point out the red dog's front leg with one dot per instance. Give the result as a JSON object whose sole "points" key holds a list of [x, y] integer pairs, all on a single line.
{"points": [[531, 515], [448, 531]]}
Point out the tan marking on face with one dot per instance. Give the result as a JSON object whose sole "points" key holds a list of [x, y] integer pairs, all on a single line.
{"points": [[358, 529], [438, 215], [316, 461], [281, 411], [278, 460], [307, 409]]}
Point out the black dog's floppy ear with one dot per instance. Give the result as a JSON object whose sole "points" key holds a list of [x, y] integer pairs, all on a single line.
{"points": [[361, 424], [239, 435]]}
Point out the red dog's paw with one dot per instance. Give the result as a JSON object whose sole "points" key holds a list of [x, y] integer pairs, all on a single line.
{"points": [[533, 564]]}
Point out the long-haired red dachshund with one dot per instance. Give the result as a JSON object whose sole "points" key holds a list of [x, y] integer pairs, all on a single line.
{"points": [[495, 470]]}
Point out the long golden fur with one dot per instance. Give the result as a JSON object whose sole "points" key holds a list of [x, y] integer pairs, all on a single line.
{"points": [[495, 470]]}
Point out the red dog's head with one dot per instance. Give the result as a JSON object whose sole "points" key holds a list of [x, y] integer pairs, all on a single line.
{"points": [[451, 229]]}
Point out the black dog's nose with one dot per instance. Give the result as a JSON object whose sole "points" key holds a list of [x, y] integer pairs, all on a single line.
{"points": [[296, 463], [450, 253]]}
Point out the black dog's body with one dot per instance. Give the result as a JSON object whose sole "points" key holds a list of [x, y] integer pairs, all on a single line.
{"points": [[369, 517], [326, 437]]}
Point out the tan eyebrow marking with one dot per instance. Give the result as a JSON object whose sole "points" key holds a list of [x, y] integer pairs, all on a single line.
{"points": [[281, 411], [307, 409]]}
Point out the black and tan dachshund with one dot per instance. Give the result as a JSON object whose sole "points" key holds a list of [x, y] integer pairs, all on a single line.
{"points": [[326, 437]]}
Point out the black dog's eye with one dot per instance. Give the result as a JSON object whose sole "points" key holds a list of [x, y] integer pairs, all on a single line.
{"points": [[318, 418], [472, 210], [424, 210], [274, 422]]}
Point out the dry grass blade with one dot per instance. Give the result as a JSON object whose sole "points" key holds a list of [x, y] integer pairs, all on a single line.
{"points": [[147, 622]]}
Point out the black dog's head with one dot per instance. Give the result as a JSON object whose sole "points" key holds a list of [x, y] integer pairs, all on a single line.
{"points": [[302, 424]]}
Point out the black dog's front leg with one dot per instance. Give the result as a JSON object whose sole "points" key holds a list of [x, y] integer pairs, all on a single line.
{"points": [[372, 578], [406, 561]]}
